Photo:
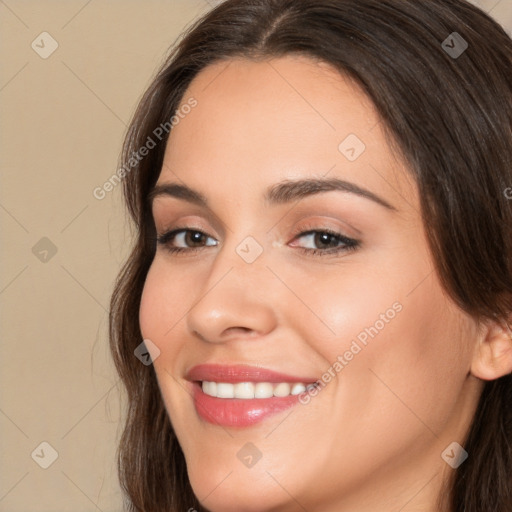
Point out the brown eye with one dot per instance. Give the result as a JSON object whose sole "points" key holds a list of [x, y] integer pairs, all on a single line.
{"points": [[325, 241], [194, 238], [183, 240]]}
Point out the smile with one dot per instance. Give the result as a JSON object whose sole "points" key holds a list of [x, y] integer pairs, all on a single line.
{"points": [[242, 396]]}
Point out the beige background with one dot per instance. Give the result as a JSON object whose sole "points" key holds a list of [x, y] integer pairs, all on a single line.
{"points": [[63, 119]]}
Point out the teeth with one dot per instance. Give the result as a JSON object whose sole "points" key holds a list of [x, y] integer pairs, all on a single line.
{"points": [[225, 390], [282, 389], [244, 390], [298, 388], [263, 390], [210, 388], [248, 390]]}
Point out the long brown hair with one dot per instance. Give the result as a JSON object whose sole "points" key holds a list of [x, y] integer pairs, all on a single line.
{"points": [[448, 115]]}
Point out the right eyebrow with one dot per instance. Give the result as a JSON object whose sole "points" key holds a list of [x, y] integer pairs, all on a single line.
{"points": [[178, 191]]}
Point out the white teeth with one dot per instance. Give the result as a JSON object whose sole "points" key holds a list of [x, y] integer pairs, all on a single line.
{"points": [[282, 389], [298, 388], [210, 388], [225, 390], [244, 390], [249, 390], [264, 390]]}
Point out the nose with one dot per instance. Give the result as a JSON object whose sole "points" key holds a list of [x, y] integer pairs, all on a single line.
{"points": [[234, 302]]}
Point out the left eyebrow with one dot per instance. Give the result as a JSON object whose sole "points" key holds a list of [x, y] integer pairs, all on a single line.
{"points": [[280, 193], [287, 191]]}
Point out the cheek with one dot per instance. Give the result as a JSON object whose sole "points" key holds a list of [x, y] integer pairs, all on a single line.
{"points": [[399, 361], [151, 306], [163, 303], [413, 360], [163, 306], [340, 308], [389, 346]]}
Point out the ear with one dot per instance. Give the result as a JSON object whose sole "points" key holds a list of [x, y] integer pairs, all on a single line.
{"points": [[492, 358]]}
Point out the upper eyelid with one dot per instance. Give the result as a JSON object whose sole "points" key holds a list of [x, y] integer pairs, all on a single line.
{"points": [[317, 224], [222, 227], [212, 219]]}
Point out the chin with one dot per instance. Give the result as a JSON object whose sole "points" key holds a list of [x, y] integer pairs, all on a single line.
{"points": [[237, 490]]}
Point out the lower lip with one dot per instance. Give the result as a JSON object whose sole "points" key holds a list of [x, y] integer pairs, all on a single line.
{"points": [[233, 412]]}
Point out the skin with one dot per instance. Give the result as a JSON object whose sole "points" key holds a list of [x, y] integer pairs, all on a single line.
{"points": [[372, 438]]}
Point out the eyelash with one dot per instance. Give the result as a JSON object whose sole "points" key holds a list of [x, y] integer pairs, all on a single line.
{"points": [[349, 244]]}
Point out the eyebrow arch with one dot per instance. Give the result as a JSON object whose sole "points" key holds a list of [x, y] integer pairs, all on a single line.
{"points": [[280, 193], [289, 190]]}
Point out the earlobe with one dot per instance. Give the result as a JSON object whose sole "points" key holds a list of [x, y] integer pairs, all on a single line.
{"points": [[492, 358]]}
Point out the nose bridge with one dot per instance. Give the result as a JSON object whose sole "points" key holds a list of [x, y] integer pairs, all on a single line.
{"points": [[236, 295]]}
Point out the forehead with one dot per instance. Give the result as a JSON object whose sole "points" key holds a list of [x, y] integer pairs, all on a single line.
{"points": [[276, 119]]}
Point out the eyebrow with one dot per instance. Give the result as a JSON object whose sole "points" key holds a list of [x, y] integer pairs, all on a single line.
{"points": [[280, 193]]}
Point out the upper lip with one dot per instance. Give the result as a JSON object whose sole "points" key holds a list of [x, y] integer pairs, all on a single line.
{"points": [[241, 373]]}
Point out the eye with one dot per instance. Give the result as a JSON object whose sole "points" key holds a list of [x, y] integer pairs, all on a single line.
{"points": [[185, 239], [324, 241], [316, 242]]}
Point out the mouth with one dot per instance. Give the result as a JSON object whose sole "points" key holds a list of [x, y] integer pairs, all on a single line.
{"points": [[241, 395]]}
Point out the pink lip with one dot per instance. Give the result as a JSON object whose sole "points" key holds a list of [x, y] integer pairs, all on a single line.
{"points": [[241, 373], [232, 412]]}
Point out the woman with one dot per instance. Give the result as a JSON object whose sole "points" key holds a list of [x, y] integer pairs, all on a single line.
{"points": [[322, 273]]}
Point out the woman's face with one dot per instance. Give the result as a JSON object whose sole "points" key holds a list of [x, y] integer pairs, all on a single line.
{"points": [[312, 266]]}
